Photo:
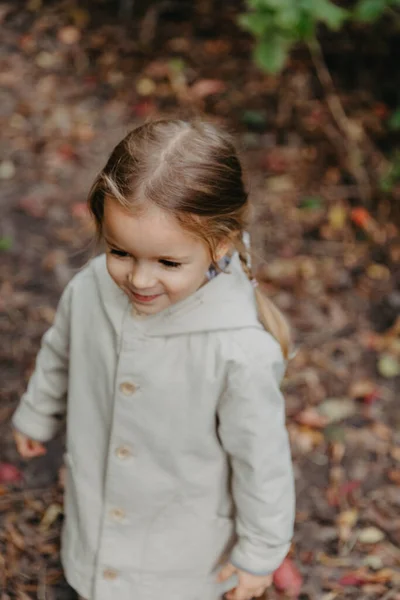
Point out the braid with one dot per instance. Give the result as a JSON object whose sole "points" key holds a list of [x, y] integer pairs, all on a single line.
{"points": [[268, 313], [244, 257]]}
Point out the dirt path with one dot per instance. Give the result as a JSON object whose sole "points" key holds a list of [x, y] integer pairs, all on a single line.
{"points": [[70, 88]]}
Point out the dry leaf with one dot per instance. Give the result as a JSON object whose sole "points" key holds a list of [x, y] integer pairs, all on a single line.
{"points": [[370, 535]]}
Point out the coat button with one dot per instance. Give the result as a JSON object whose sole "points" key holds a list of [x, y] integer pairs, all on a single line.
{"points": [[110, 574], [126, 388], [123, 452], [117, 514]]}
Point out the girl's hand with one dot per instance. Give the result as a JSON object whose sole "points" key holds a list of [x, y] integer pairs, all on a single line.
{"points": [[28, 448], [250, 586]]}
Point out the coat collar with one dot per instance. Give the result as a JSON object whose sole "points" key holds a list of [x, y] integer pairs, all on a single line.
{"points": [[225, 302]]}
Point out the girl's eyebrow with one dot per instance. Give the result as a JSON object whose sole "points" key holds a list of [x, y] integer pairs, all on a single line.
{"points": [[174, 258], [111, 243], [170, 258]]}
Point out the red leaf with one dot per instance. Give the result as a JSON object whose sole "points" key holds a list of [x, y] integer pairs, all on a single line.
{"points": [[33, 206], [361, 217], [381, 110], [80, 210], [9, 473], [67, 152], [352, 579], [349, 487], [143, 109], [207, 87], [372, 397], [287, 578], [275, 162]]}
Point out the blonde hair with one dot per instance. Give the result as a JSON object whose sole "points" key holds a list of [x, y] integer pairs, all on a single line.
{"points": [[191, 169]]}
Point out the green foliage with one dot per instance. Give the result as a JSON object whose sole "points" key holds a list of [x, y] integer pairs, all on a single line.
{"points": [[368, 11], [277, 25], [394, 121], [392, 177], [6, 243]]}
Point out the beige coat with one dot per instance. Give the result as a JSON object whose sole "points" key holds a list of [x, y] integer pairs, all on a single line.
{"points": [[177, 451]]}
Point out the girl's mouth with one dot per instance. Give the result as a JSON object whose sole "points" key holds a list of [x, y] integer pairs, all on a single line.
{"points": [[144, 299]]}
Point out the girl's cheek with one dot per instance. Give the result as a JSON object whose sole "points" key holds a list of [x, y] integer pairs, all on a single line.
{"points": [[117, 268]]}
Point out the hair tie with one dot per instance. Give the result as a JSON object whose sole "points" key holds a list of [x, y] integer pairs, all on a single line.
{"points": [[254, 282]]}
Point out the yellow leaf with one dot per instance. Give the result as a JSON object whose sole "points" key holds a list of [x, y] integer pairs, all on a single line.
{"points": [[337, 217], [370, 535], [145, 86], [378, 272], [51, 514]]}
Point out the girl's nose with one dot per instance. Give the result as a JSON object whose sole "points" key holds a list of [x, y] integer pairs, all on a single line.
{"points": [[141, 278]]}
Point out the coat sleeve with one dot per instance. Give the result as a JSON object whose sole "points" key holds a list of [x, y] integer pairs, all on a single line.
{"points": [[253, 433], [44, 402]]}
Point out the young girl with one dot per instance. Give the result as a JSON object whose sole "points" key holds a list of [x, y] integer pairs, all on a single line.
{"points": [[167, 361]]}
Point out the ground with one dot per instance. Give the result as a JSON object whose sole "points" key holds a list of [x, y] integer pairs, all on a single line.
{"points": [[74, 80]]}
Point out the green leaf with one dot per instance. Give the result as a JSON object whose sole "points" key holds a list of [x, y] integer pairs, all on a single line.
{"points": [[311, 203], [255, 23], [6, 243], [254, 118], [288, 18], [271, 53], [369, 10], [394, 120], [333, 16], [177, 65]]}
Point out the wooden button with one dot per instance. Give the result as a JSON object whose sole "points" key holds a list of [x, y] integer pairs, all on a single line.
{"points": [[127, 388], [117, 514], [110, 574], [123, 452]]}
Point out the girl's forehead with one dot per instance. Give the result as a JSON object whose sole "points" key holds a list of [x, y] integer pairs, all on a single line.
{"points": [[151, 229]]}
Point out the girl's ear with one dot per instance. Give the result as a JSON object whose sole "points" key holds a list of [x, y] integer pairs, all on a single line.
{"points": [[223, 248]]}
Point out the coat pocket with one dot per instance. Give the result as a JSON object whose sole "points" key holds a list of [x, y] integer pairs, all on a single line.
{"points": [[80, 530], [181, 541]]}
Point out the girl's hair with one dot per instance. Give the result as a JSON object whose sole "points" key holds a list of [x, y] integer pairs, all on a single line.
{"points": [[191, 169]]}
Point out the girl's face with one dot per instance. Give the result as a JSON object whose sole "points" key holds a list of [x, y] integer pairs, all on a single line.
{"points": [[152, 258]]}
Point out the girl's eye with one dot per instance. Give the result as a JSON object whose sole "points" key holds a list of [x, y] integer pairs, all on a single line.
{"points": [[170, 264], [119, 253]]}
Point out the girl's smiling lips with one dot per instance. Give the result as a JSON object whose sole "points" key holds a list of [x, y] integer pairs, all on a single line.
{"points": [[143, 298]]}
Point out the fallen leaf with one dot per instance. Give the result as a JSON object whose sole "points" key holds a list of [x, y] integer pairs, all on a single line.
{"points": [[378, 272], [346, 521], [394, 476], [280, 183], [355, 579], [7, 169], [370, 535], [395, 453], [80, 210], [6, 243], [206, 87], [388, 366], [145, 86], [311, 203], [337, 409], [373, 562], [360, 217], [337, 217], [9, 473], [51, 514], [312, 418], [69, 35], [287, 578]]}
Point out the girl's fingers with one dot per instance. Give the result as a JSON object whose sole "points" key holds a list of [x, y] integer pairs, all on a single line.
{"points": [[27, 447], [244, 593], [226, 572]]}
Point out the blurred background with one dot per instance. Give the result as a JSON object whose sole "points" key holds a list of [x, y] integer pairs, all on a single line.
{"points": [[311, 91]]}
